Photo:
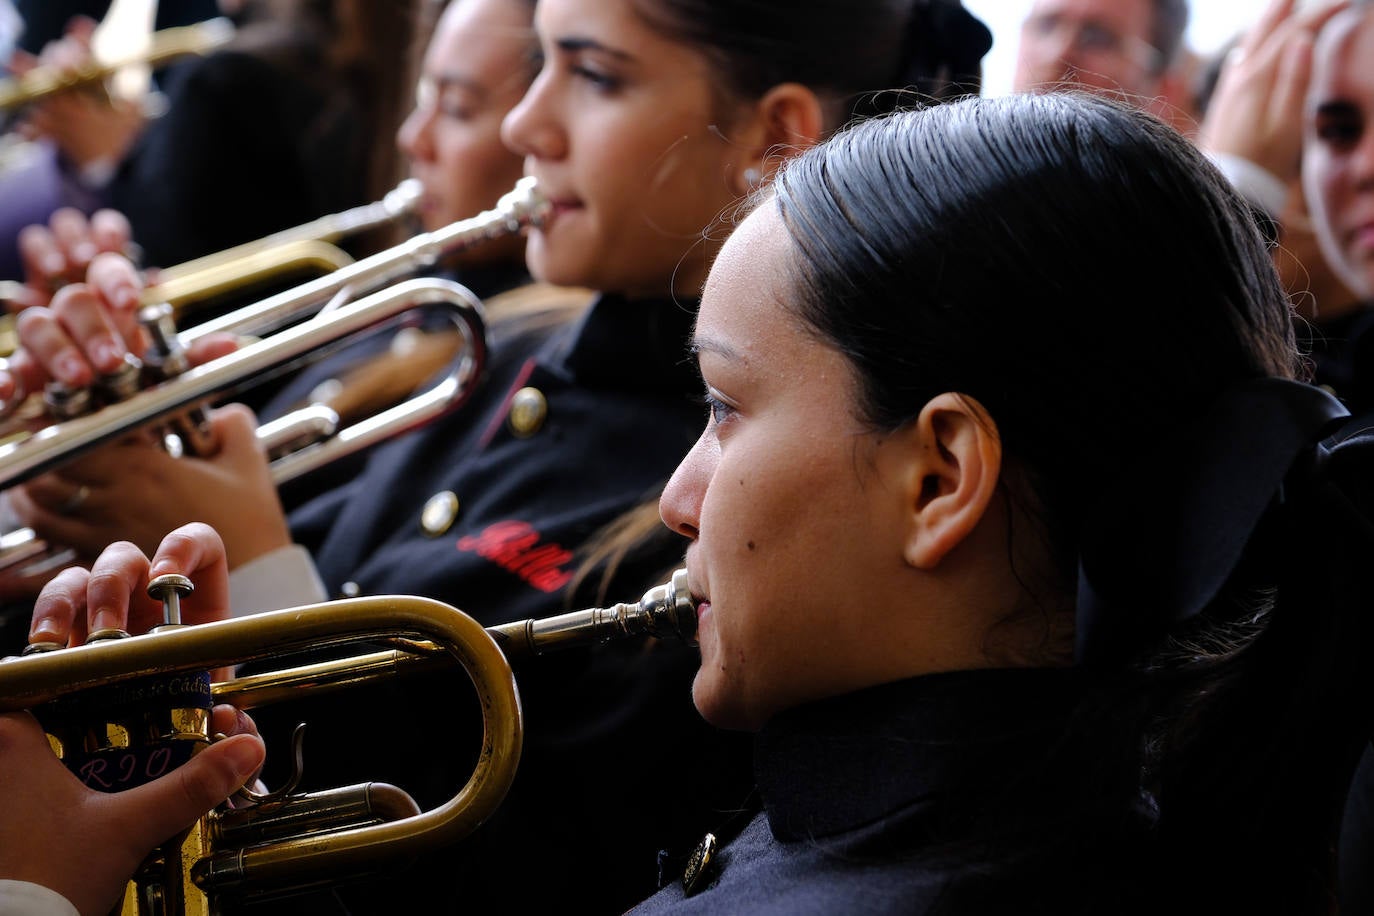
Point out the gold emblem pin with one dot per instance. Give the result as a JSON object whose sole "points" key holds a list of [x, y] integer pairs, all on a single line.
{"points": [[528, 410], [695, 878], [439, 512]]}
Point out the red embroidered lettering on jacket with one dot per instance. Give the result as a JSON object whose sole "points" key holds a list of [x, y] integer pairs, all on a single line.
{"points": [[515, 547]]}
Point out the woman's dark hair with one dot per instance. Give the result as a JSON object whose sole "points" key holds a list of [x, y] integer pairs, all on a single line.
{"points": [[1078, 269], [354, 52], [1087, 276], [855, 55]]}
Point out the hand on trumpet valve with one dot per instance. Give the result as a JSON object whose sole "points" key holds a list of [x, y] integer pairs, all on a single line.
{"points": [[113, 593], [92, 841], [88, 331]]}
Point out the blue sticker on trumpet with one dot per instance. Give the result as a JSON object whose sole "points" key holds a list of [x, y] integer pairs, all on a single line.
{"points": [[123, 735]]}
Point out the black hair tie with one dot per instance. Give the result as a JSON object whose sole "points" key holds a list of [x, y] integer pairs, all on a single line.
{"points": [[1159, 551], [944, 49]]}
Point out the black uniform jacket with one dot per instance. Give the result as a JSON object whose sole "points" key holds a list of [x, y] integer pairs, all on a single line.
{"points": [[245, 148], [617, 764], [1341, 352], [1342, 356], [949, 793]]}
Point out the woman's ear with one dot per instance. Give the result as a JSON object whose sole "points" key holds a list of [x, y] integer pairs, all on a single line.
{"points": [[787, 120], [955, 464]]}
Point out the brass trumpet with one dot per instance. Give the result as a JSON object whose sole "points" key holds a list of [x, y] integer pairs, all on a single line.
{"points": [[38, 444], [309, 247], [166, 45], [281, 843], [314, 241]]}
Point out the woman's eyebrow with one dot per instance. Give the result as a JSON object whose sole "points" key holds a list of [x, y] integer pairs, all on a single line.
{"points": [[575, 44], [706, 344]]}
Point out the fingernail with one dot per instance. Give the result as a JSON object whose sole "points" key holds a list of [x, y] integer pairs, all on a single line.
{"points": [[105, 619], [45, 630], [126, 298], [244, 757], [107, 355], [84, 252], [70, 368], [54, 265]]}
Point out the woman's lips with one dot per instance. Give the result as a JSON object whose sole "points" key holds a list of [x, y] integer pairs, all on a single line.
{"points": [[558, 208], [1363, 237]]}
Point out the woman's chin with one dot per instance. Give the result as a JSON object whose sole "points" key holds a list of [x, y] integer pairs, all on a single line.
{"points": [[715, 707]]}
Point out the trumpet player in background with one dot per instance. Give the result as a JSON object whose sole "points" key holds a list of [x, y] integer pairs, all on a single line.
{"points": [[1086, 644], [289, 120], [645, 124], [475, 69]]}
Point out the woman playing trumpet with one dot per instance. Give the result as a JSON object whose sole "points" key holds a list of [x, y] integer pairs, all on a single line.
{"points": [[1020, 681], [646, 122]]}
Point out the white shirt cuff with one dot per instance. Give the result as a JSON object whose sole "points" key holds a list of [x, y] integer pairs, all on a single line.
{"points": [[1260, 187], [285, 577], [21, 898], [97, 174]]}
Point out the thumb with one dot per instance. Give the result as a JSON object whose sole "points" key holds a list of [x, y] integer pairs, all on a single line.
{"points": [[164, 806]]}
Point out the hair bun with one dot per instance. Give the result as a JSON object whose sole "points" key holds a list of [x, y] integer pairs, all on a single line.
{"points": [[944, 49]]}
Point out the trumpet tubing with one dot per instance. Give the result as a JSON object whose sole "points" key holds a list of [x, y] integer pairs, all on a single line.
{"points": [[141, 662], [665, 612], [521, 207], [294, 840], [53, 445], [400, 202]]}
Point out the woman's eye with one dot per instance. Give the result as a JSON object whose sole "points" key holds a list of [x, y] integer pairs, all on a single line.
{"points": [[598, 78], [718, 410], [456, 104], [1340, 132]]}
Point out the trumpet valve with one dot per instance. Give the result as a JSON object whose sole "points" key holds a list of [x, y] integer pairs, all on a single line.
{"points": [[64, 402], [107, 633], [123, 382], [170, 589], [166, 355], [188, 434]]}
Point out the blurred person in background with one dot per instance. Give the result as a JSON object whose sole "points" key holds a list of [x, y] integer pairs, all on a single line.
{"points": [[1129, 49], [289, 121]]}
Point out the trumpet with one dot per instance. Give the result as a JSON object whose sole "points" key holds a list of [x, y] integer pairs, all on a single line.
{"points": [[311, 246], [40, 443], [98, 701], [51, 444], [214, 273], [165, 46]]}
